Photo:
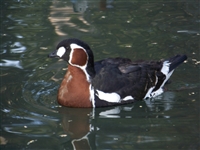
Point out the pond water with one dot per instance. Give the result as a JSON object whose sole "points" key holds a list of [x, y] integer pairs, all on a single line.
{"points": [[30, 115]]}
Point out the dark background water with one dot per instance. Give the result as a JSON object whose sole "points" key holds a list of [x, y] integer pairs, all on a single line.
{"points": [[150, 30]]}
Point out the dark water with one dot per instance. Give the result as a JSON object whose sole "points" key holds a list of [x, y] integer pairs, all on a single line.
{"points": [[30, 115]]}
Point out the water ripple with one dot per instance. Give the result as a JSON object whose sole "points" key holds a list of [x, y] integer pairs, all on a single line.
{"points": [[11, 63]]}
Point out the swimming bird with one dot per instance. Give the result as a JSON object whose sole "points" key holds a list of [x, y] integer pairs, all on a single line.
{"points": [[111, 81]]}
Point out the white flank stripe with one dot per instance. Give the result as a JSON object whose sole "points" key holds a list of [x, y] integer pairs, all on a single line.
{"points": [[109, 97], [91, 89], [128, 98]]}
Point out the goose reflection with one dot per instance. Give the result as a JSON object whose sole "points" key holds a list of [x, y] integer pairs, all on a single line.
{"points": [[82, 127], [76, 123]]}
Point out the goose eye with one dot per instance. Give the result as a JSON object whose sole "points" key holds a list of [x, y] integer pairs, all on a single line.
{"points": [[67, 48]]}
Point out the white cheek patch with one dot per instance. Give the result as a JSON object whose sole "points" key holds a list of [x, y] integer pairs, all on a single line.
{"points": [[61, 51]]}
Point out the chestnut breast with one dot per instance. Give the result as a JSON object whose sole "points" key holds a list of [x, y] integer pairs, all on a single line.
{"points": [[74, 89]]}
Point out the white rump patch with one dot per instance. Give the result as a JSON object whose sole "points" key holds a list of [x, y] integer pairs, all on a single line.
{"points": [[148, 95], [61, 51], [167, 77], [165, 68], [109, 97], [165, 71]]}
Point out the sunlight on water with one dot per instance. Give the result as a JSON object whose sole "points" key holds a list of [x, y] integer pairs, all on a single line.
{"points": [[11, 63]]}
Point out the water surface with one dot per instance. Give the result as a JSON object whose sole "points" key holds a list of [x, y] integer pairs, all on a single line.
{"points": [[30, 115]]}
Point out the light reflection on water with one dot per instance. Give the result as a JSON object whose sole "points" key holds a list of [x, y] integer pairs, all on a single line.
{"points": [[30, 115], [11, 63]]}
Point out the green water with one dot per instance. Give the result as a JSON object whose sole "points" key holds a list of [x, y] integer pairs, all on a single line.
{"points": [[149, 30]]}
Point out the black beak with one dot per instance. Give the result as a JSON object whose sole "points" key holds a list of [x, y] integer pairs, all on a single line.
{"points": [[53, 54]]}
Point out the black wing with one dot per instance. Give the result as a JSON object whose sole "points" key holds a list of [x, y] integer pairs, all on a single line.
{"points": [[126, 77]]}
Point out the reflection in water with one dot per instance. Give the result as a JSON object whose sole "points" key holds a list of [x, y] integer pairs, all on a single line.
{"points": [[189, 32], [106, 4], [167, 98], [77, 124], [110, 113], [3, 141], [17, 47], [61, 23], [80, 125], [79, 5], [11, 63], [73, 16]]}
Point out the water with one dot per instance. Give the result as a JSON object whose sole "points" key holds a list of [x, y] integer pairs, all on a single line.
{"points": [[30, 115]]}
